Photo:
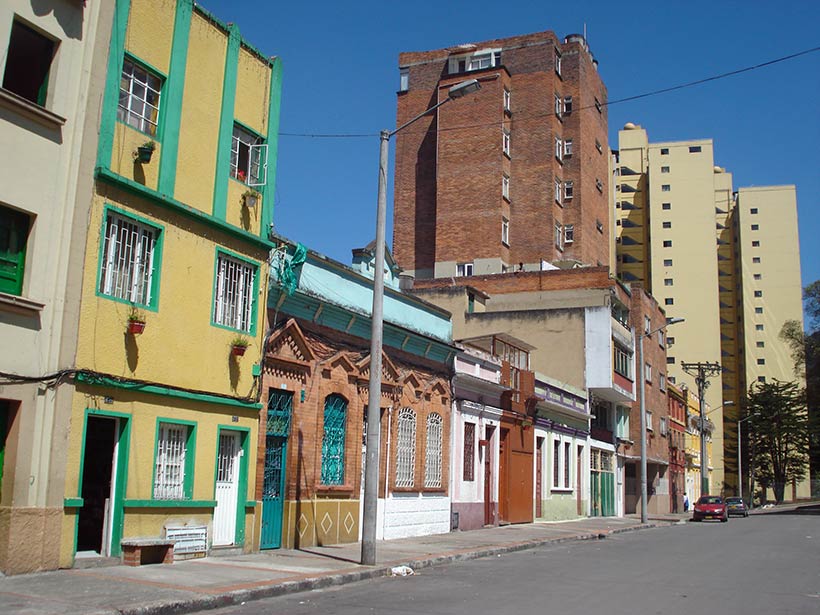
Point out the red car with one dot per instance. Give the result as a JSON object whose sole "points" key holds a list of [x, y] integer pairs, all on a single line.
{"points": [[710, 507]]}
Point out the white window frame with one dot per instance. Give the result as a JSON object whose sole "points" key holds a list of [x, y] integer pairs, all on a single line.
{"points": [[647, 324], [139, 103], [253, 170], [234, 296], [507, 101], [557, 62], [569, 190], [567, 105], [562, 464], [559, 236], [567, 148], [662, 426], [505, 231], [569, 233], [506, 140], [433, 452], [404, 79], [559, 149], [647, 373], [558, 191], [464, 269], [649, 426], [478, 60], [505, 186], [406, 448], [599, 185], [558, 106], [662, 382], [169, 464], [127, 265]]}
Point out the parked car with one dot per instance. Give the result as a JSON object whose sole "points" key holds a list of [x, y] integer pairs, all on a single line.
{"points": [[710, 507], [736, 506]]}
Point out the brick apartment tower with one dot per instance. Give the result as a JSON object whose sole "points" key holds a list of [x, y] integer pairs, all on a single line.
{"points": [[516, 173]]}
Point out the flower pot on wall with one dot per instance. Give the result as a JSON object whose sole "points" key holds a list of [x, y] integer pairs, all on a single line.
{"points": [[251, 200], [144, 154], [238, 351], [135, 327]]}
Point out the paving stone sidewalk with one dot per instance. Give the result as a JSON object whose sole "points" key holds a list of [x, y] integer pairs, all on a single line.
{"points": [[194, 585]]}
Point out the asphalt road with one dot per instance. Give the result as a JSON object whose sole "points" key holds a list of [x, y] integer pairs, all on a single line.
{"points": [[762, 564]]}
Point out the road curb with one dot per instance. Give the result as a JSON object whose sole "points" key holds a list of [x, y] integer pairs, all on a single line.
{"points": [[236, 597]]}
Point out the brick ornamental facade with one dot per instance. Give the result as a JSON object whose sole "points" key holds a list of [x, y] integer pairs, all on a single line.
{"points": [[512, 175]]}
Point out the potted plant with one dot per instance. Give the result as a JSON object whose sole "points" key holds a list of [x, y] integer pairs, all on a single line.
{"points": [[241, 175], [145, 151], [136, 321], [239, 345], [251, 197]]}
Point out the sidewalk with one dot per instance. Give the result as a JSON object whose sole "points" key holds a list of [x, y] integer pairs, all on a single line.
{"points": [[193, 585]]}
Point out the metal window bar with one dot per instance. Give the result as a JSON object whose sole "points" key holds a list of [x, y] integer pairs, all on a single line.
{"points": [[333, 440], [225, 460], [128, 260], [139, 98], [169, 476], [469, 451], [567, 457], [556, 462], [406, 448], [233, 301], [432, 462], [279, 410]]}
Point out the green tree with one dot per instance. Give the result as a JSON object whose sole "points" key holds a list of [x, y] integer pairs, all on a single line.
{"points": [[778, 434]]}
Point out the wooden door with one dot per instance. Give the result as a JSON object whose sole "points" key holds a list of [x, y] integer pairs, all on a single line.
{"points": [[489, 476], [503, 479], [227, 488], [539, 460]]}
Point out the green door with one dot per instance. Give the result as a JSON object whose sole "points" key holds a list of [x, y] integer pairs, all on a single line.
{"points": [[13, 232], [273, 486]]}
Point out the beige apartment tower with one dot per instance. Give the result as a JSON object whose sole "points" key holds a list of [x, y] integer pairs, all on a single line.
{"points": [[727, 261]]}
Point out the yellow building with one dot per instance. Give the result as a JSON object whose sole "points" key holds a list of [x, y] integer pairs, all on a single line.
{"points": [[693, 446], [164, 422], [727, 262]]}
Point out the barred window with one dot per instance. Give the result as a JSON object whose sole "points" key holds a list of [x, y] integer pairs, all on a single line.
{"points": [[333, 440], [139, 97], [556, 463], [128, 259], [406, 448], [469, 452], [234, 296], [169, 472], [567, 458], [432, 461]]}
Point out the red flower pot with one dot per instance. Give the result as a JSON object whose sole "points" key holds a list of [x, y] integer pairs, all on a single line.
{"points": [[238, 351], [135, 327]]}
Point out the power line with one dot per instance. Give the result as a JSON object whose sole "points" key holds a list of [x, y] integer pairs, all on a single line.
{"points": [[603, 104]]}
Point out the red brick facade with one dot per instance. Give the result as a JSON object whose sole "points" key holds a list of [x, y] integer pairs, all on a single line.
{"points": [[448, 202]]}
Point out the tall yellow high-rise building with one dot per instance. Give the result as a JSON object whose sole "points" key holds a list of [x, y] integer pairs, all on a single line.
{"points": [[727, 261]]}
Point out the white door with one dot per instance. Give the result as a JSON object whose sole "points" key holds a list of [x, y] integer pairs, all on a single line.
{"points": [[227, 488]]}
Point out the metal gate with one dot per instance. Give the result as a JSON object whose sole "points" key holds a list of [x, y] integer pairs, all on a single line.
{"points": [[273, 487]]}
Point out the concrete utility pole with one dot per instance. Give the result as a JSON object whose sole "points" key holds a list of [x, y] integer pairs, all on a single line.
{"points": [[702, 371]]}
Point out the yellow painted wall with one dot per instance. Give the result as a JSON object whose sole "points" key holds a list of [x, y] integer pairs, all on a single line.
{"points": [[126, 142], [201, 112], [151, 32], [252, 88]]}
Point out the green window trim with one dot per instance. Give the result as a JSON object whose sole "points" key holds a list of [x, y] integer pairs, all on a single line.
{"points": [[169, 504], [333, 440], [73, 502], [254, 291], [190, 455], [14, 229], [156, 256], [161, 112]]}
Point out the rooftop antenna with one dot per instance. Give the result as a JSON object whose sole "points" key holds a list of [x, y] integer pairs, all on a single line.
{"points": [[585, 32]]}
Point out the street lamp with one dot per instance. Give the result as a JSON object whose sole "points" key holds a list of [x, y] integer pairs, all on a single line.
{"points": [[641, 387], [371, 474]]}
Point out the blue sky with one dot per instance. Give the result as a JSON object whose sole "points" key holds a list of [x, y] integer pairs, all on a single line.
{"points": [[341, 75]]}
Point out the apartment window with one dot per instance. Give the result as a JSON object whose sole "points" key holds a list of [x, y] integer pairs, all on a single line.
{"points": [[667, 224], [647, 373], [558, 191], [668, 281], [464, 269], [661, 340], [670, 360], [756, 260], [599, 226], [599, 185], [235, 294], [559, 149], [662, 426], [28, 63], [647, 324], [556, 464], [505, 186], [761, 361], [667, 262], [433, 452], [507, 101], [622, 362], [760, 344], [758, 293], [666, 206], [755, 227], [558, 62], [558, 106], [559, 236], [569, 233], [174, 462], [567, 105], [669, 301], [664, 151], [755, 244], [622, 424], [249, 157], [694, 149], [139, 97], [753, 210], [129, 260], [758, 310], [598, 105], [664, 169], [470, 303], [505, 231], [468, 473], [567, 463], [662, 382], [404, 79], [670, 341], [666, 188], [333, 440], [667, 243], [758, 276], [599, 147], [569, 190], [406, 448], [761, 379], [505, 142], [568, 148], [14, 226], [758, 327], [649, 426], [477, 61]]}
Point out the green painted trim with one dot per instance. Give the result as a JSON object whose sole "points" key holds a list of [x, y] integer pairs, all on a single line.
{"points": [[73, 502], [223, 148], [274, 107], [212, 18], [155, 276], [175, 87], [251, 504], [254, 309], [190, 455], [171, 204], [242, 486], [112, 83], [169, 504], [155, 389]]}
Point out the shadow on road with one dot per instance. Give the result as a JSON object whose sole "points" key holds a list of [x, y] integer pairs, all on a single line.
{"points": [[812, 509]]}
